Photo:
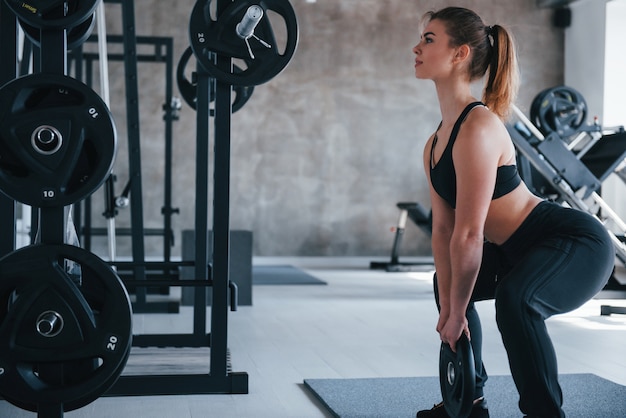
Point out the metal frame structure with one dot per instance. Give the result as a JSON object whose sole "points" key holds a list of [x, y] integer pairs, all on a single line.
{"points": [[51, 220], [572, 181], [162, 48], [220, 378]]}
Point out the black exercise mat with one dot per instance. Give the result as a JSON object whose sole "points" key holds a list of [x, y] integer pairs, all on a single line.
{"points": [[282, 275], [585, 396]]}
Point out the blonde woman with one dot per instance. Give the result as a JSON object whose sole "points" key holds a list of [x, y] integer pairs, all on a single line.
{"points": [[491, 237]]}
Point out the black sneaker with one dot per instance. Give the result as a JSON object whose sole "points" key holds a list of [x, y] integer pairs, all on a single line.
{"points": [[479, 410], [437, 411]]}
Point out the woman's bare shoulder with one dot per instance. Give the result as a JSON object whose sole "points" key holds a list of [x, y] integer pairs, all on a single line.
{"points": [[483, 133], [483, 125]]}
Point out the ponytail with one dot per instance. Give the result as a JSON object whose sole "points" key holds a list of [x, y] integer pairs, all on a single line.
{"points": [[503, 78]]}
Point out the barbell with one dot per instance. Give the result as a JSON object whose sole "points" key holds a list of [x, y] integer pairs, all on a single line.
{"points": [[244, 32]]}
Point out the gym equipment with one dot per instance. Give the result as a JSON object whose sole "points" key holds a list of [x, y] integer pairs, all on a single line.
{"points": [[103, 55], [53, 14], [229, 34], [221, 378], [423, 219], [457, 378], [607, 310], [240, 266], [154, 52], [60, 343], [65, 316], [572, 181], [9, 53], [559, 171], [561, 109], [569, 167], [76, 35], [57, 140], [188, 89]]}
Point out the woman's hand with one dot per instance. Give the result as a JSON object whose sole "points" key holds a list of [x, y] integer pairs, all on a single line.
{"points": [[444, 314], [452, 329]]}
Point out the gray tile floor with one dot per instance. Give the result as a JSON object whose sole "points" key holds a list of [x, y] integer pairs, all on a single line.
{"points": [[364, 323]]}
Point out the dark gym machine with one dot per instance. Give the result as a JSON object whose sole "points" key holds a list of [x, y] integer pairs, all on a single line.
{"points": [[563, 158]]}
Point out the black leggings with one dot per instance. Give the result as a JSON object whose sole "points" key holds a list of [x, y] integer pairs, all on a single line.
{"points": [[558, 259]]}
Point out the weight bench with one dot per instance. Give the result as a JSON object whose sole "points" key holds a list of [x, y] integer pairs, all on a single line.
{"points": [[553, 169], [420, 217]]}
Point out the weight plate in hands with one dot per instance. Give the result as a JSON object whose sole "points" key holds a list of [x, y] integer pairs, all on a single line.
{"points": [[60, 342], [457, 378], [57, 140], [264, 56]]}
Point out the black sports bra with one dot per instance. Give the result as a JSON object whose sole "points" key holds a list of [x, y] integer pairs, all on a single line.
{"points": [[443, 174]]}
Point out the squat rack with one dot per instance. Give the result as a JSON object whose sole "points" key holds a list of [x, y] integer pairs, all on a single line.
{"points": [[162, 52], [219, 379]]}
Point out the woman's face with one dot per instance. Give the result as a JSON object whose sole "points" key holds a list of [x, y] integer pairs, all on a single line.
{"points": [[433, 54]]}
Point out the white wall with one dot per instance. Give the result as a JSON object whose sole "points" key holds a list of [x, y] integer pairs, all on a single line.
{"points": [[594, 65], [615, 91], [585, 51], [615, 64]]}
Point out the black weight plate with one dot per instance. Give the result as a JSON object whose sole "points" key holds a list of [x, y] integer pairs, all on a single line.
{"points": [[57, 140], [534, 108], [76, 36], [559, 109], [457, 378], [219, 36], [85, 356], [53, 14], [188, 89]]}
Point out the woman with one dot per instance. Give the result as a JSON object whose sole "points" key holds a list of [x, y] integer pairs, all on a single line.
{"points": [[491, 237]]}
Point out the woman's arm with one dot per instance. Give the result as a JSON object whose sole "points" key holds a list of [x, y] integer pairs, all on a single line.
{"points": [[442, 228], [476, 154]]}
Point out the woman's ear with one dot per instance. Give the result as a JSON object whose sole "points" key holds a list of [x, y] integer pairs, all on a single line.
{"points": [[462, 53]]}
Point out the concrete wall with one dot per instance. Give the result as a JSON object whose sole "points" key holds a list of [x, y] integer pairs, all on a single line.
{"points": [[322, 152]]}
